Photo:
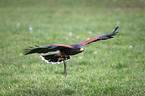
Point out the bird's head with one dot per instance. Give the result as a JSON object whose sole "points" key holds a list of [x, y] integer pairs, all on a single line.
{"points": [[77, 48]]}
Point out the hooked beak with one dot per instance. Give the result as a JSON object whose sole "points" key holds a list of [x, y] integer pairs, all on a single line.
{"points": [[82, 49]]}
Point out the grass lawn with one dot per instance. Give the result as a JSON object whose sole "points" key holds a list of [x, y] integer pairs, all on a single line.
{"points": [[111, 67]]}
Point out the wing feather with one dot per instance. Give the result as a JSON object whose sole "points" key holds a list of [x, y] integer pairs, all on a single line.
{"points": [[46, 49], [103, 37]]}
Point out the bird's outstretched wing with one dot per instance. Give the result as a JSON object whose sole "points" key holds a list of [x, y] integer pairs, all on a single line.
{"points": [[103, 37], [46, 49]]}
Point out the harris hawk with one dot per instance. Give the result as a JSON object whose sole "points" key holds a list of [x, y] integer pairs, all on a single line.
{"points": [[63, 52]]}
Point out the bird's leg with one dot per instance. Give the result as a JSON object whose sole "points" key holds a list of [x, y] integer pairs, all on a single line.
{"points": [[65, 69], [63, 55]]}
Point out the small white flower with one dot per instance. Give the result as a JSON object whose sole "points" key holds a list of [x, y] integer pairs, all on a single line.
{"points": [[30, 28], [130, 46], [80, 57], [89, 32], [78, 37], [117, 22], [70, 33], [67, 38], [18, 24]]}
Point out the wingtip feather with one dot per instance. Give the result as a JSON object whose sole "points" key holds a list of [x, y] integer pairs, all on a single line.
{"points": [[116, 29]]}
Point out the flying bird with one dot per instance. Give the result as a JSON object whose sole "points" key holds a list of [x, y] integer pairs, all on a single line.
{"points": [[62, 52]]}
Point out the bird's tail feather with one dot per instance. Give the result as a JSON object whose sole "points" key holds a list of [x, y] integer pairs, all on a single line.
{"points": [[53, 58]]}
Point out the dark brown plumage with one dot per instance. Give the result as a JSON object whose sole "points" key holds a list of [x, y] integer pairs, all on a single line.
{"points": [[63, 52]]}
